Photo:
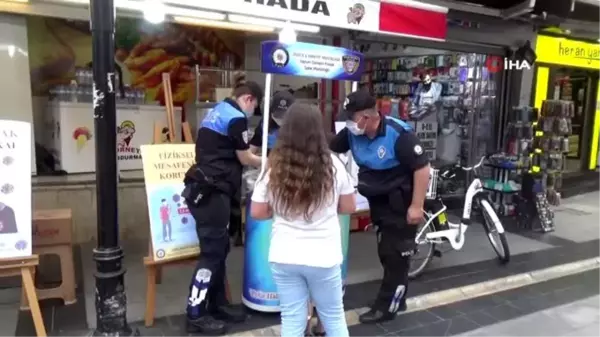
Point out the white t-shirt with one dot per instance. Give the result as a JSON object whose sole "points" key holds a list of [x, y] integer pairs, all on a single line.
{"points": [[316, 243]]}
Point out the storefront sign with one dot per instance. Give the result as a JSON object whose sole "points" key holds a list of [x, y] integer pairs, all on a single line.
{"points": [[408, 18], [558, 50], [15, 189], [358, 14], [172, 227], [314, 7], [311, 60]]}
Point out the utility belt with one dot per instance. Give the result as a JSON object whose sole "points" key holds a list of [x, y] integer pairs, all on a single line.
{"points": [[198, 186]]}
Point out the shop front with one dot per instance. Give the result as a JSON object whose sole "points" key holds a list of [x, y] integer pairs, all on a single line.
{"points": [[454, 92], [567, 69]]}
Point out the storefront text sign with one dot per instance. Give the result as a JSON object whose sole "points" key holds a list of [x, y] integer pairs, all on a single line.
{"points": [[556, 50], [15, 189], [359, 15], [172, 227], [311, 60]]}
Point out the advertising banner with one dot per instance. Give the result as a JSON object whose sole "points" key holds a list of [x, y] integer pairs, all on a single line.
{"points": [[259, 290], [172, 227], [15, 189], [311, 60], [143, 52]]}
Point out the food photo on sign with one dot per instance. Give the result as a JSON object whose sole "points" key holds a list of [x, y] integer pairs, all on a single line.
{"points": [[143, 51]]}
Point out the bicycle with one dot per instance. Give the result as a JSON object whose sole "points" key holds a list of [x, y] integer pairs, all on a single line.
{"points": [[433, 232]]}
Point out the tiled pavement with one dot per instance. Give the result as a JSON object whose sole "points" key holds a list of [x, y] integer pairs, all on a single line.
{"points": [[472, 264]]}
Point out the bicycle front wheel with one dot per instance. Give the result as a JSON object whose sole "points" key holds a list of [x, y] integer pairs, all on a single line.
{"points": [[495, 231], [424, 251]]}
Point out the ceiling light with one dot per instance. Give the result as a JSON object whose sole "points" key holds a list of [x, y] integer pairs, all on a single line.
{"points": [[222, 24], [273, 23], [287, 34], [168, 10], [154, 11]]}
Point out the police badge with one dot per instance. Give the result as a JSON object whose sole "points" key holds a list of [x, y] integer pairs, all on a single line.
{"points": [[280, 57], [350, 63]]}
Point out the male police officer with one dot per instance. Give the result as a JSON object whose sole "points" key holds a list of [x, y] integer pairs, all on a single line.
{"points": [[393, 176], [280, 103], [210, 185]]}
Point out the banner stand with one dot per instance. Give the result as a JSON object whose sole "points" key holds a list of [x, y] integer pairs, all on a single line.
{"points": [[165, 135], [292, 59]]}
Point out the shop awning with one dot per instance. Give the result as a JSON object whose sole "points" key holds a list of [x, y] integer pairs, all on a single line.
{"points": [[413, 20], [399, 17]]}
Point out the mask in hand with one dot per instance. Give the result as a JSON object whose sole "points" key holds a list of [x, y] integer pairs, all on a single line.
{"points": [[354, 129]]}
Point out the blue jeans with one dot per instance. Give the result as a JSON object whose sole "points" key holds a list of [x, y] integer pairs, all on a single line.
{"points": [[296, 284]]}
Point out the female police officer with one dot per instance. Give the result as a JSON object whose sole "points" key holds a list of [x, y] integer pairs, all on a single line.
{"points": [[279, 105], [221, 150], [393, 176]]}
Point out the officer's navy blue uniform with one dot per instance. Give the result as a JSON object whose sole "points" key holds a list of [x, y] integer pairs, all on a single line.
{"points": [[386, 165], [257, 138], [223, 132]]}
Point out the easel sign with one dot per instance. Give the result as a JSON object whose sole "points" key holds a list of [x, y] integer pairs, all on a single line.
{"points": [[15, 189], [16, 258], [172, 228]]}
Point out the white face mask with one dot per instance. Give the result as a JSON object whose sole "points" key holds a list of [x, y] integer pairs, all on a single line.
{"points": [[279, 121], [354, 129]]}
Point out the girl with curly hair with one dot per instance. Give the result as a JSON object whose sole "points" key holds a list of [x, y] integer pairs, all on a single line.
{"points": [[304, 189]]}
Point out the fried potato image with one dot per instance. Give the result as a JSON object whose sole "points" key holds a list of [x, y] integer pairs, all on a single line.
{"points": [[183, 92], [186, 74], [146, 61], [153, 76], [156, 93]]}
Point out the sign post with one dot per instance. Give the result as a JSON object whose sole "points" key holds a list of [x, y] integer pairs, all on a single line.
{"points": [[111, 302]]}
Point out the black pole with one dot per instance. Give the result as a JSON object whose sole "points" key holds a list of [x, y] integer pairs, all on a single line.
{"points": [[111, 301]]}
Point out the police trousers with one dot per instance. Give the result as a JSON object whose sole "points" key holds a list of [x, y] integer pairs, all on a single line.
{"points": [[207, 287], [395, 246]]}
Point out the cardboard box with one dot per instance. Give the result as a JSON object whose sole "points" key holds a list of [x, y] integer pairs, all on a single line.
{"points": [[52, 227]]}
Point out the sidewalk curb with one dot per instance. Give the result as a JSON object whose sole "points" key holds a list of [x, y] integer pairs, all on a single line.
{"points": [[468, 292]]}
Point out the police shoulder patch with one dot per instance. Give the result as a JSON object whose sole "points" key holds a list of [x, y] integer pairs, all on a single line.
{"points": [[418, 150]]}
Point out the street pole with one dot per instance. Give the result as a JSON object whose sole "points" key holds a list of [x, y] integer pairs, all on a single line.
{"points": [[111, 301]]}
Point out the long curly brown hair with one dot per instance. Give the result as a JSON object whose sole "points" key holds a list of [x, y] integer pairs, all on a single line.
{"points": [[301, 179]]}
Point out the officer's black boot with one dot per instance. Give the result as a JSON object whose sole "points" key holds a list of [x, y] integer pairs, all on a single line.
{"points": [[206, 325], [229, 313], [376, 316]]}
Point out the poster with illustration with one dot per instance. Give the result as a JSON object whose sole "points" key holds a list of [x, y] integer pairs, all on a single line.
{"points": [[172, 227], [15, 189], [143, 52]]}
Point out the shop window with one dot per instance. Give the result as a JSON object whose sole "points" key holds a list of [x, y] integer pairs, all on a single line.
{"points": [[450, 98]]}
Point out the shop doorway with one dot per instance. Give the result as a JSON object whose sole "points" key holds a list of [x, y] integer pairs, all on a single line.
{"points": [[579, 86]]}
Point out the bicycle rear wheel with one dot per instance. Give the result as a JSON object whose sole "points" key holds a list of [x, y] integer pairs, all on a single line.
{"points": [[495, 231], [423, 253]]}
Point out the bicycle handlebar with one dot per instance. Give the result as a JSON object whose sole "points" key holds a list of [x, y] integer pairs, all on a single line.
{"points": [[476, 166]]}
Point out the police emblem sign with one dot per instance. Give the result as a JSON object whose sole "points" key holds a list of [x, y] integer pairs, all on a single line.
{"points": [[311, 60]]}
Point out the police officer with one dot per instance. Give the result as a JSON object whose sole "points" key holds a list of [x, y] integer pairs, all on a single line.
{"points": [[393, 176], [280, 103], [221, 150]]}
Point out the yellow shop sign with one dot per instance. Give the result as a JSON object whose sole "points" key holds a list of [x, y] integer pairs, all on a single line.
{"points": [[559, 50]]}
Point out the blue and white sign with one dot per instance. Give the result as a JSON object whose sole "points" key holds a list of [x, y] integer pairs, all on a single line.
{"points": [[311, 60]]}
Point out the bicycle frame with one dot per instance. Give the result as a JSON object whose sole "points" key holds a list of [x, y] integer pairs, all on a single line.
{"points": [[456, 233]]}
